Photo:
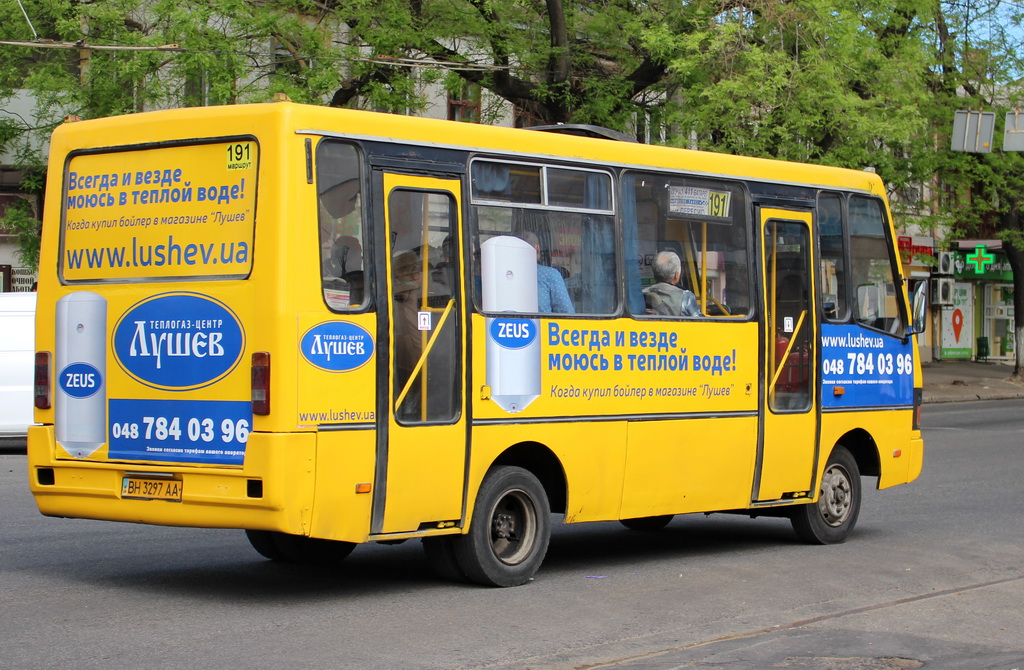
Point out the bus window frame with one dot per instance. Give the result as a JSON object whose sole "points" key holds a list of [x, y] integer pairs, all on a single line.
{"points": [[744, 211], [899, 282], [544, 195], [368, 244], [454, 310], [471, 227], [847, 316]]}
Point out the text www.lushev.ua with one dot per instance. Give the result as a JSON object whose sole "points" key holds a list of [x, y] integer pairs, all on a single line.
{"points": [[336, 415], [169, 254]]}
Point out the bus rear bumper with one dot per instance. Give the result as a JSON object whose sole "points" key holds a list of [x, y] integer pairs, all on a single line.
{"points": [[272, 491]]}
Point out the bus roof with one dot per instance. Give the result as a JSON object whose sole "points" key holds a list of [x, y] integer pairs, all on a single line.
{"points": [[181, 124]]}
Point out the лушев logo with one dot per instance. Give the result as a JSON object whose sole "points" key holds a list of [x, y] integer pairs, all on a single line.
{"points": [[337, 346], [178, 341]]}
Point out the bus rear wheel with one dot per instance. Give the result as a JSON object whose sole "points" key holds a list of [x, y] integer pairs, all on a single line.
{"points": [[832, 518], [509, 531], [441, 558], [285, 548]]}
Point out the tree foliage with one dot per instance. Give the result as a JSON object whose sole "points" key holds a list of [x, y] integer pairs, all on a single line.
{"points": [[816, 80], [861, 83], [978, 51]]}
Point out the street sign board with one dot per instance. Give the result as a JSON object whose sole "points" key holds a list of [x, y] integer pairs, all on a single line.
{"points": [[973, 131]]}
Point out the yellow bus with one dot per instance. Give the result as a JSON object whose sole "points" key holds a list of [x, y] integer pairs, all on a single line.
{"points": [[328, 327]]}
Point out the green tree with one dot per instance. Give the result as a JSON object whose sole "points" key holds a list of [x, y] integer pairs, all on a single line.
{"points": [[978, 54], [816, 80]]}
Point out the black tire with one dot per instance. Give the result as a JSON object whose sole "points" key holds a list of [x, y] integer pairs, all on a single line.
{"points": [[647, 524], [263, 542], [833, 517], [441, 558], [509, 531], [285, 548]]}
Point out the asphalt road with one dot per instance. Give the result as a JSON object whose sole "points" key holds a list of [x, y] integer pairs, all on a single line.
{"points": [[932, 577]]}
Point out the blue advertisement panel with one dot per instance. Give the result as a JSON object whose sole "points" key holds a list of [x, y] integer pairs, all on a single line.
{"points": [[178, 341], [874, 370], [337, 346], [212, 432]]}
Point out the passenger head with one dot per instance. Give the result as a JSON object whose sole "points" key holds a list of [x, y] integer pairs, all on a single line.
{"points": [[532, 239], [407, 269], [667, 267]]}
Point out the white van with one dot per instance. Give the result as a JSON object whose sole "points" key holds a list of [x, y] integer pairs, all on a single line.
{"points": [[17, 362]]}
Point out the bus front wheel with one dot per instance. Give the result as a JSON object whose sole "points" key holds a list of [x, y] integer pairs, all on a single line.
{"points": [[832, 518], [509, 530]]}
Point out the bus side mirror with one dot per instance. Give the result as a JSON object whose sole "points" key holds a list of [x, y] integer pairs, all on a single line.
{"points": [[918, 304]]}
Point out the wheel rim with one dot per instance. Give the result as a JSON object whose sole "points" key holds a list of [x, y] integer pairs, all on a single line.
{"points": [[836, 498], [513, 527]]}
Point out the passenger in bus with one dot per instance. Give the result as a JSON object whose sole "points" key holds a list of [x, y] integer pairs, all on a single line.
{"points": [[407, 290], [342, 270], [443, 271], [666, 297], [552, 296]]}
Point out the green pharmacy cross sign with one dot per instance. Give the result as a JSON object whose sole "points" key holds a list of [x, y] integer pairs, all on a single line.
{"points": [[980, 259]]}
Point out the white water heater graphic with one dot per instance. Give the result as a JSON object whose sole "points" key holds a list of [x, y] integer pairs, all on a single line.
{"points": [[509, 283], [81, 399]]}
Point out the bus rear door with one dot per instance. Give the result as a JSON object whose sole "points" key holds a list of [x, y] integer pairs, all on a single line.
{"points": [[421, 451]]}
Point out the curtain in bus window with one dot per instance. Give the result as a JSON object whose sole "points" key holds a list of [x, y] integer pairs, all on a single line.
{"points": [[490, 179], [634, 292], [598, 248], [598, 266]]}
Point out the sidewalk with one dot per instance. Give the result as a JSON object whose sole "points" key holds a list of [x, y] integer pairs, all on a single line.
{"points": [[954, 381]]}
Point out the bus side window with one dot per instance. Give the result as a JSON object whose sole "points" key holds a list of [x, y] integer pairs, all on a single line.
{"points": [[833, 257], [340, 218], [877, 304], [704, 223], [565, 214]]}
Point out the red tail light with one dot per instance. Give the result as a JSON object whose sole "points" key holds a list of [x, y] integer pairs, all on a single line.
{"points": [[261, 382], [42, 380]]}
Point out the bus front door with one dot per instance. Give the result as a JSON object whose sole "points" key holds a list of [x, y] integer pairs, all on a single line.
{"points": [[788, 445], [421, 453]]}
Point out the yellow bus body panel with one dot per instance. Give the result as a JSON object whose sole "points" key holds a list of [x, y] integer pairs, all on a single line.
{"points": [[592, 456], [699, 455], [211, 498]]}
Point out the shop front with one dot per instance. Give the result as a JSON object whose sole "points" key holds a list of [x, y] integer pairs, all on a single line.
{"points": [[972, 294]]}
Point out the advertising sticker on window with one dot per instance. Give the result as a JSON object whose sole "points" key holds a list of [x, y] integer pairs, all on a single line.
{"points": [[167, 212]]}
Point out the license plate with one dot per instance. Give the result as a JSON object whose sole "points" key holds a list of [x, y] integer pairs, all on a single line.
{"points": [[151, 489]]}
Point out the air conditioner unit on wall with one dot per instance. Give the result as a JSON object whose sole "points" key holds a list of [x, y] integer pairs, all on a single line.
{"points": [[945, 266], [942, 291]]}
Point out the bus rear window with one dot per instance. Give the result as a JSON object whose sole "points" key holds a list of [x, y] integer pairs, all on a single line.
{"points": [[167, 212], [342, 235]]}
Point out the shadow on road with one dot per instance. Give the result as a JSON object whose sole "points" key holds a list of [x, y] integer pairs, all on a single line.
{"points": [[226, 569]]}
